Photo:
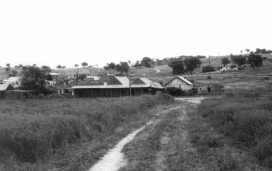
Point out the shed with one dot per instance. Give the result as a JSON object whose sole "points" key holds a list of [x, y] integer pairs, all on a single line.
{"points": [[179, 82], [116, 87], [4, 88]]}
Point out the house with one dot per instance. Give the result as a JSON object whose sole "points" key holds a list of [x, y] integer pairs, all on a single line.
{"points": [[117, 87], [179, 82], [4, 88], [55, 78], [14, 81]]}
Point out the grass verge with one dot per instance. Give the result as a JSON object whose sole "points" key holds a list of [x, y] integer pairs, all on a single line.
{"points": [[35, 131]]}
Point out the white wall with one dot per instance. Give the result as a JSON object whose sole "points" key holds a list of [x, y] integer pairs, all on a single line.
{"points": [[179, 84]]}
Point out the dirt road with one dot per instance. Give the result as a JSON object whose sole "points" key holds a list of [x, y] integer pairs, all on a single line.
{"points": [[153, 145]]}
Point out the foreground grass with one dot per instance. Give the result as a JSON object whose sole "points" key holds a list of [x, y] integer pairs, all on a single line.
{"points": [[35, 131], [234, 131]]}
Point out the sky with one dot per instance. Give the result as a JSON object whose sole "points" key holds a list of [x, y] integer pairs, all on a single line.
{"points": [[66, 32]]}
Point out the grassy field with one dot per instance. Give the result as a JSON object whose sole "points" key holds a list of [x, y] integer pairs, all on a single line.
{"points": [[36, 131], [241, 121]]}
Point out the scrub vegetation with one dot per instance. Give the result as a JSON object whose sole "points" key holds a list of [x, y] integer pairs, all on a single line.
{"points": [[33, 131], [239, 124]]}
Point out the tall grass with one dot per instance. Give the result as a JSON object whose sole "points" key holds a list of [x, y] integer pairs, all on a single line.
{"points": [[246, 118], [34, 130]]}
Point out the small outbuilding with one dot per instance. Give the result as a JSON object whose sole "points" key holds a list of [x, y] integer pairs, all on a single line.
{"points": [[179, 82], [4, 88]]}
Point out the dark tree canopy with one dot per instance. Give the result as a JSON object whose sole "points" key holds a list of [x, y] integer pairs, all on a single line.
{"points": [[225, 61], [76, 65], [137, 64], [239, 60], [122, 68], [59, 66], [207, 69], [255, 60], [110, 66], [84, 64], [191, 63], [46, 69], [178, 66], [146, 61], [34, 79]]}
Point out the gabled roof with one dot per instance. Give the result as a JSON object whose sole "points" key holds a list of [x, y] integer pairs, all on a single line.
{"points": [[181, 78], [123, 82], [4, 87], [13, 79], [53, 73], [147, 83]]}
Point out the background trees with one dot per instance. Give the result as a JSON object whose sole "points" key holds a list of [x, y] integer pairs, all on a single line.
{"points": [[191, 63], [122, 68], [84, 64], [146, 61], [207, 69], [34, 79], [225, 61], [59, 66], [239, 60], [255, 60], [178, 66]]}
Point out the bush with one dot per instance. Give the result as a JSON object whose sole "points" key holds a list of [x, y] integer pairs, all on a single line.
{"points": [[37, 129], [245, 119], [208, 69], [173, 91]]}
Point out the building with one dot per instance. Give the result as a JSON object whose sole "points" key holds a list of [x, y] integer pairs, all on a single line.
{"points": [[14, 81], [179, 82], [4, 88], [117, 87], [55, 78]]}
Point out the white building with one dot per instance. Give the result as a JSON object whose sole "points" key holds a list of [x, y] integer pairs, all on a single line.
{"points": [[179, 82]]}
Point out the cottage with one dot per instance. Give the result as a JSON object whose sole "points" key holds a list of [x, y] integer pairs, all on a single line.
{"points": [[117, 87], [4, 88], [179, 82], [14, 81], [55, 78]]}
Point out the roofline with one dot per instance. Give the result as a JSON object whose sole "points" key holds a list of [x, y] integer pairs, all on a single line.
{"points": [[178, 78]]}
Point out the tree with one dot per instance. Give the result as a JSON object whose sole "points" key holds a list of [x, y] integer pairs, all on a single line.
{"points": [[191, 63], [8, 65], [137, 64], [84, 64], [14, 73], [177, 66], [81, 76], [46, 69], [63, 67], [122, 68], [233, 66], [34, 79], [146, 61], [110, 66], [7, 69], [59, 66], [207, 69], [76, 65], [225, 61], [247, 50], [258, 50], [255, 60], [239, 60]]}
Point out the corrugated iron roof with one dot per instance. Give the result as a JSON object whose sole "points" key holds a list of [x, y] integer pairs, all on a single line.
{"points": [[182, 78], [13, 79], [185, 80], [4, 87], [124, 84]]}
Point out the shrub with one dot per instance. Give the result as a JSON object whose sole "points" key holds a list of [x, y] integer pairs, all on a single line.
{"points": [[173, 91], [37, 129], [245, 119], [208, 69]]}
